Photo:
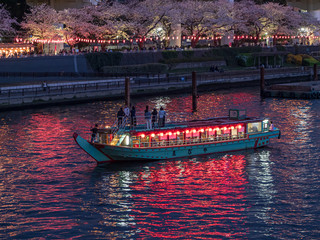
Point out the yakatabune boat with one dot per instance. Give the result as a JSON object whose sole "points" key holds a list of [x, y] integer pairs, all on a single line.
{"points": [[183, 139]]}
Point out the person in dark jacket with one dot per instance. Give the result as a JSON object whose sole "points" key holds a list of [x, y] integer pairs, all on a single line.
{"points": [[133, 119], [94, 131], [120, 116], [154, 115]]}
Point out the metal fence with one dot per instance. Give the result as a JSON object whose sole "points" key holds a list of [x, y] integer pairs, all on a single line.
{"points": [[75, 86]]}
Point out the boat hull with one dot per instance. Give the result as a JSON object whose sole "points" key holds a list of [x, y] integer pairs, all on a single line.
{"points": [[106, 153]]}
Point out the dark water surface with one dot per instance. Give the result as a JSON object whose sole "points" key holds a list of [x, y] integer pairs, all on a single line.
{"points": [[50, 189]]}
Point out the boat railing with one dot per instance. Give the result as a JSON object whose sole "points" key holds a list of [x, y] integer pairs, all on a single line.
{"points": [[177, 142], [118, 126], [139, 123]]}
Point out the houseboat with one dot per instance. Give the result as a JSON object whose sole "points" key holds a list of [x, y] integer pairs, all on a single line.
{"points": [[179, 139]]}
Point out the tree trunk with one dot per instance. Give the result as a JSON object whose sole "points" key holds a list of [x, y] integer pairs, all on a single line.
{"points": [[257, 40], [194, 42]]}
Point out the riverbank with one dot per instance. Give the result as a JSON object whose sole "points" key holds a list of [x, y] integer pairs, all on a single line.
{"points": [[57, 92]]}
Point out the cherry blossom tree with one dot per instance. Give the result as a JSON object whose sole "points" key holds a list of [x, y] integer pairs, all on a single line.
{"points": [[221, 18], [107, 21], [42, 23], [6, 22], [271, 18], [194, 18], [76, 24], [91, 22], [308, 21], [250, 18], [204, 18], [143, 17], [281, 19]]}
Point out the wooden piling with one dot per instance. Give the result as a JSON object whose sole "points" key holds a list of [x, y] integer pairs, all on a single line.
{"points": [[262, 84], [127, 91], [315, 72], [194, 92]]}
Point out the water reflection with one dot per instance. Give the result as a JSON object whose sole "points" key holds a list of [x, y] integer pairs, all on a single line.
{"points": [[168, 199], [50, 188]]}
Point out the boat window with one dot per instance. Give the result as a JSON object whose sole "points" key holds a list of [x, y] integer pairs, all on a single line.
{"points": [[180, 138], [125, 140], [266, 125], [254, 127], [219, 132], [234, 132], [155, 141], [241, 132], [135, 141], [145, 141]]}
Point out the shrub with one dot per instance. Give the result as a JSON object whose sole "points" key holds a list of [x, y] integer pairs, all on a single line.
{"points": [[99, 60], [245, 59], [188, 54], [290, 58], [152, 68], [309, 61], [297, 59], [280, 48], [200, 59], [170, 54], [229, 54]]}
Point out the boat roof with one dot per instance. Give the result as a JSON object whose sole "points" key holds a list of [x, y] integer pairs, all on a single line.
{"points": [[210, 122]]}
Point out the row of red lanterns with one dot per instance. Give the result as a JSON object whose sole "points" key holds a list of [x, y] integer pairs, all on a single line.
{"points": [[143, 135], [136, 40]]}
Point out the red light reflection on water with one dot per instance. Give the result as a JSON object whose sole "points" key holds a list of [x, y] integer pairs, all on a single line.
{"points": [[41, 174], [179, 108], [210, 195]]}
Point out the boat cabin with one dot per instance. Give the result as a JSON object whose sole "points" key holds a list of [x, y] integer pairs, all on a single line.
{"points": [[236, 126]]}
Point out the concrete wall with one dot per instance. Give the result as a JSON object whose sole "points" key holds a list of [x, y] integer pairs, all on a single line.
{"points": [[79, 63], [45, 64]]}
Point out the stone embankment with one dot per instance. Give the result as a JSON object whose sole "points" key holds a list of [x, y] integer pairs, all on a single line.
{"points": [[21, 96]]}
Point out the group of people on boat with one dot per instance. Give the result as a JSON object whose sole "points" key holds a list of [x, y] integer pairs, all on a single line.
{"points": [[154, 117], [123, 116]]}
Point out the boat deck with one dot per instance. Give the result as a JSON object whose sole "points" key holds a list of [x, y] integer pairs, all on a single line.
{"points": [[304, 90]]}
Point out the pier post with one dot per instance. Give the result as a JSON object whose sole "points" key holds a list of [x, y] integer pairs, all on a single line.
{"points": [[194, 92], [262, 81], [127, 91], [315, 72]]}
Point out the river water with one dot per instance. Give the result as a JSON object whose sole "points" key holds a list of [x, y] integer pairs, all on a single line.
{"points": [[50, 189]]}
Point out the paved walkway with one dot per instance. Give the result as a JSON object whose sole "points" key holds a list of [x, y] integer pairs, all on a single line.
{"points": [[30, 93]]}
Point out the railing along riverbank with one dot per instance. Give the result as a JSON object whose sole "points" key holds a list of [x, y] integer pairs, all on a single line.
{"points": [[114, 86]]}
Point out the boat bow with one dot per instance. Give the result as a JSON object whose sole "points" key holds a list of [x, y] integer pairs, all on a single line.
{"points": [[91, 150]]}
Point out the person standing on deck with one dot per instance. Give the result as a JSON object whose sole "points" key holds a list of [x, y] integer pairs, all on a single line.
{"points": [[162, 117], [120, 116], [271, 128], [147, 117], [94, 131], [154, 117], [126, 112], [133, 121]]}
